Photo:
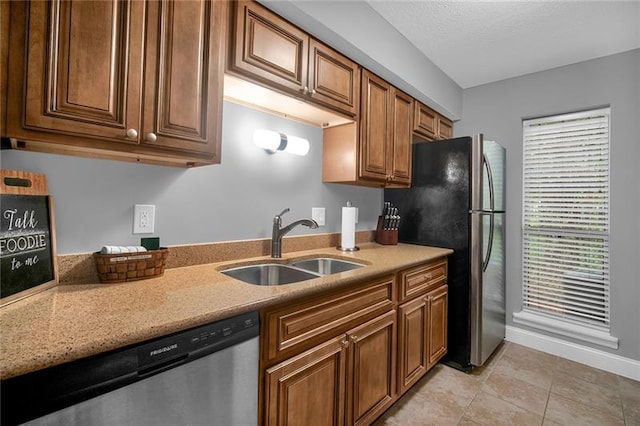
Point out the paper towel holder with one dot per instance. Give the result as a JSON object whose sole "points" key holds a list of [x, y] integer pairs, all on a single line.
{"points": [[355, 247]]}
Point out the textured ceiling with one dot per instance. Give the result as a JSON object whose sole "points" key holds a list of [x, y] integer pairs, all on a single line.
{"points": [[478, 42]]}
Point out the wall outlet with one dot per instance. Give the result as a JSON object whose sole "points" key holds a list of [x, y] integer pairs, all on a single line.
{"points": [[317, 214], [144, 218]]}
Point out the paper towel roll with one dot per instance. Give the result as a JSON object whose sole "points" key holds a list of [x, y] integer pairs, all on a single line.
{"points": [[348, 239]]}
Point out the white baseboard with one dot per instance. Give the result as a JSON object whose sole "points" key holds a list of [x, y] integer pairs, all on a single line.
{"points": [[593, 357]]}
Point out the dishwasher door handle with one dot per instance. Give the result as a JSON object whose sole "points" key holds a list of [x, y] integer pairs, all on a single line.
{"points": [[163, 366]]}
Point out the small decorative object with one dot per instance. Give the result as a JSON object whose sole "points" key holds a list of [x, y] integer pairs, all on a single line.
{"points": [[27, 236], [123, 267]]}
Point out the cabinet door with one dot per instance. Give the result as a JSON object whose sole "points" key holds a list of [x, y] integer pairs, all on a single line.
{"points": [[308, 389], [445, 128], [183, 76], [268, 48], [372, 369], [375, 128], [412, 342], [401, 153], [334, 80], [425, 121], [83, 66], [438, 305]]}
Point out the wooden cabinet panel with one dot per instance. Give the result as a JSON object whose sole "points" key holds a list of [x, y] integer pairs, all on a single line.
{"points": [[375, 128], [132, 80], [438, 310], [412, 342], [297, 327], [430, 125], [445, 128], [334, 79], [308, 389], [425, 121], [269, 48], [372, 362], [420, 279], [82, 71], [401, 152], [183, 74]]}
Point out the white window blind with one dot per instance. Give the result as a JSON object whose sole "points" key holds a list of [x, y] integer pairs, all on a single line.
{"points": [[566, 217]]}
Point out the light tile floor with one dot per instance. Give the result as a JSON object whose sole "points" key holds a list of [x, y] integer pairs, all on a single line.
{"points": [[519, 386]]}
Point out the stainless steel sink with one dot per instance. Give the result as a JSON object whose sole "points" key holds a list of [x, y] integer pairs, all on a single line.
{"points": [[269, 274], [326, 265]]}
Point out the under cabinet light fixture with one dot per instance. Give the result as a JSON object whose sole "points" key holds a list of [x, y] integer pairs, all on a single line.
{"points": [[273, 142]]}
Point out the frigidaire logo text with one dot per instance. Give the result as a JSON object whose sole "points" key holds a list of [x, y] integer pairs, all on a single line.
{"points": [[164, 349]]}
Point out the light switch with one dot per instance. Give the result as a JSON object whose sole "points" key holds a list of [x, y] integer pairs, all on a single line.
{"points": [[317, 214]]}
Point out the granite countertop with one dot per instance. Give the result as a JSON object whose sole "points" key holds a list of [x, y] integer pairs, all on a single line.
{"points": [[70, 322]]}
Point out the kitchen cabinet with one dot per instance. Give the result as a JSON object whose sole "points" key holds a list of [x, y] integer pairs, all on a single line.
{"points": [[271, 51], [371, 375], [422, 321], [376, 151], [332, 359], [429, 125], [118, 79]]}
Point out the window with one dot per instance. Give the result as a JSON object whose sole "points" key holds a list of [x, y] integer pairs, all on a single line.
{"points": [[566, 224]]}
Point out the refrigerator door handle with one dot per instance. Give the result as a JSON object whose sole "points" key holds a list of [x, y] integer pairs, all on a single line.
{"points": [[485, 263]]}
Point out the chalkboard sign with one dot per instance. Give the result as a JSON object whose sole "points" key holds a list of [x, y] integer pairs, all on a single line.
{"points": [[27, 243]]}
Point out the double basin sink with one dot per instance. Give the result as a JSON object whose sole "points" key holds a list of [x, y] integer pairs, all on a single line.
{"points": [[301, 270]]}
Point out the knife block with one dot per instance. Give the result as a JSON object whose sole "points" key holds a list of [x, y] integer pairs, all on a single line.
{"points": [[387, 237]]}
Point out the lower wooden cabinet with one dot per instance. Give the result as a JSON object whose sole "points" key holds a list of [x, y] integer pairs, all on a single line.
{"points": [[437, 302], [422, 339], [353, 374], [345, 357], [371, 373], [308, 389]]}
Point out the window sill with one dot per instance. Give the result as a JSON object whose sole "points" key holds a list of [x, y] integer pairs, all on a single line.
{"points": [[576, 331]]}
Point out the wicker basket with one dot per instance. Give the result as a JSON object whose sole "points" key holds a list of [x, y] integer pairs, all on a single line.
{"points": [[118, 268]]}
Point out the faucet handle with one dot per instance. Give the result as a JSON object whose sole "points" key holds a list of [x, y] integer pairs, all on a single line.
{"points": [[283, 212]]}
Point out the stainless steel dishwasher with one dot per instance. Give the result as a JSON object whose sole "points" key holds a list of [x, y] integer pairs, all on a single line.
{"points": [[202, 376]]}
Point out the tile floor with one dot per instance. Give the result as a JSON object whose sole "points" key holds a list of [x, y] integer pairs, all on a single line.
{"points": [[519, 386]]}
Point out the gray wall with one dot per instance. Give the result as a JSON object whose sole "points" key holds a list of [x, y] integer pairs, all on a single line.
{"points": [[232, 201], [497, 110], [358, 31]]}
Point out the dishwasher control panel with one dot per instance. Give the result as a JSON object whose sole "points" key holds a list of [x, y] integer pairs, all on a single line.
{"points": [[189, 343]]}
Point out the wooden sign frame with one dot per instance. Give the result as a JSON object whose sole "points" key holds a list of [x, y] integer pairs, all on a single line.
{"points": [[26, 236]]}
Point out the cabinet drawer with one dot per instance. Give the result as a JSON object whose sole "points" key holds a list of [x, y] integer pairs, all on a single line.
{"points": [[420, 279], [294, 328]]}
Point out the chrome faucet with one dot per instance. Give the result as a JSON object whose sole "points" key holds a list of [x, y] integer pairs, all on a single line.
{"points": [[278, 232]]}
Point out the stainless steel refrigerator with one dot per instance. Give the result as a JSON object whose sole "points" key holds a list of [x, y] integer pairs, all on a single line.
{"points": [[457, 200]]}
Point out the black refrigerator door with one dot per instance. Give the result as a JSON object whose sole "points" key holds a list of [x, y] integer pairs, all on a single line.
{"points": [[435, 212]]}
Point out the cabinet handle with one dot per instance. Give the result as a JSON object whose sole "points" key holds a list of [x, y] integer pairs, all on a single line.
{"points": [[151, 137], [426, 277], [132, 133], [354, 339]]}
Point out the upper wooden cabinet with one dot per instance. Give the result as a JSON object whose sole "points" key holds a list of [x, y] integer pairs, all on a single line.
{"points": [[141, 80], [271, 51], [377, 150], [430, 125]]}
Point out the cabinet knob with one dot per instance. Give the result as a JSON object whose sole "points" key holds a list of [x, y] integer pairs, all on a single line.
{"points": [[313, 91], [345, 343], [354, 339], [305, 90], [151, 137], [132, 133]]}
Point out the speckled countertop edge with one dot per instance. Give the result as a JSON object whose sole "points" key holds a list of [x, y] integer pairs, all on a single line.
{"points": [[70, 322]]}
